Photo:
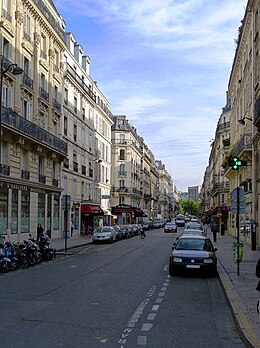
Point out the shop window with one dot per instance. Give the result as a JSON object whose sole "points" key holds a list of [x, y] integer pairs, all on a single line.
{"points": [[14, 220], [3, 211], [56, 213], [25, 211]]}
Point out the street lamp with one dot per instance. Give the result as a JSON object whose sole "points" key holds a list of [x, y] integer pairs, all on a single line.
{"points": [[6, 66], [242, 120]]}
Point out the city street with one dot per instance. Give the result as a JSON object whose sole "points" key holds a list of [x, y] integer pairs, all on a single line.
{"points": [[114, 296]]}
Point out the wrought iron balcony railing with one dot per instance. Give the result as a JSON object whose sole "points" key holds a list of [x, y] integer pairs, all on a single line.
{"points": [[27, 81], [55, 182], [244, 144], [27, 128], [42, 179], [56, 104], [43, 94]]}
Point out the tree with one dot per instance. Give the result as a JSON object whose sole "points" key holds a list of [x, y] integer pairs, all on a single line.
{"points": [[190, 206]]}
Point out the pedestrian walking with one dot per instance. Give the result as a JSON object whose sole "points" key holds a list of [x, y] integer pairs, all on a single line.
{"points": [[40, 230], [257, 273], [214, 230], [90, 230]]}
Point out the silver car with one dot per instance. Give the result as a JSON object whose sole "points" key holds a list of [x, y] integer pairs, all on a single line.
{"points": [[104, 234]]}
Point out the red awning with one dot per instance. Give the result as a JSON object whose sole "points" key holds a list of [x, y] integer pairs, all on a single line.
{"points": [[91, 209], [139, 213], [124, 208]]}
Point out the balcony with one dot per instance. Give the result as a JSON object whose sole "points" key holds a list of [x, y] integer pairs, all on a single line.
{"points": [[244, 144], [42, 179], [122, 173], [25, 174], [43, 94], [220, 187], [223, 125], [13, 121], [4, 169], [50, 18], [56, 104], [121, 189], [27, 81], [81, 82]]}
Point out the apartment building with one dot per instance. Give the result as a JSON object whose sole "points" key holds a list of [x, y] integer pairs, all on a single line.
{"points": [[32, 151], [87, 131], [165, 192], [244, 97]]}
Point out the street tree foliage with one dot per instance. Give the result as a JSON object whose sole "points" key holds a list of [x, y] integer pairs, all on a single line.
{"points": [[189, 206]]}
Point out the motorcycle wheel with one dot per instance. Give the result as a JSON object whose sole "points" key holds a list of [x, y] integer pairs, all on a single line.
{"points": [[32, 260], [25, 263], [38, 257], [14, 265], [5, 266], [49, 256]]}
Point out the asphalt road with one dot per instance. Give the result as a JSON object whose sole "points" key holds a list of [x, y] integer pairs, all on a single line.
{"points": [[114, 296]]}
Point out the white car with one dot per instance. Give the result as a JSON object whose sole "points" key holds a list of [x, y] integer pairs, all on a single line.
{"points": [[104, 234]]}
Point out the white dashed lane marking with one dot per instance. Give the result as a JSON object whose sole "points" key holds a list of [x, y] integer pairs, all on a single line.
{"points": [[146, 327]]}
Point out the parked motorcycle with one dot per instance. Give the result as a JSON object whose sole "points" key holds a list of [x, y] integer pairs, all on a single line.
{"points": [[46, 248], [21, 254], [31, 252], [5, 262], [35, 248], [10, 253]]}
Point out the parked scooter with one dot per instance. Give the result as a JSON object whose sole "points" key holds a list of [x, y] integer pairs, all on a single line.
{"points": [[31, 250], [5, 262], [46, 248], [10, 253], [21, 254], [35, 248]]}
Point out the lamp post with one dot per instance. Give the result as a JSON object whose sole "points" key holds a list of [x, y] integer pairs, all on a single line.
{"points": [[6, 66]]}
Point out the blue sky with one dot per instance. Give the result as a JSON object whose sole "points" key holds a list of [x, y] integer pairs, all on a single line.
{"points": [[165, 64]]}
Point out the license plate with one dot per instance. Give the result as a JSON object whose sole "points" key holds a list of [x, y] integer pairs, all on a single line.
{"points": [[192, 266]]}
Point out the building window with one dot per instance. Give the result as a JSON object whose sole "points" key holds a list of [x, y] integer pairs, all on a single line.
{"points": [[26, 24], [41, 209], [121, 183], [56, 213], [25, 211], [121, 200], [121, 138], [6, 48], [75, 132], [66, 95], [75, 104], [26, 110], [41, 165], [3, 211], [121, 169], [14, 220], [65, 125], [122, 154], [7, 96]]}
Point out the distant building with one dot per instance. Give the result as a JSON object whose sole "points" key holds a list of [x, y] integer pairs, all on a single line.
{"points": [[193, 192], [183, 196]]}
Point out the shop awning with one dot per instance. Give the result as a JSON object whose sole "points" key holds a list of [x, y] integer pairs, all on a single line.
{"points": [[139, 213], [123, 208], [93, 209]]}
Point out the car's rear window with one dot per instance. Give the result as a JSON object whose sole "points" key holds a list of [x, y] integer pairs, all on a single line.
{"points": [[194, 244]]}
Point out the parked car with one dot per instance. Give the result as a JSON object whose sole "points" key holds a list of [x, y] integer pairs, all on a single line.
{"points": [[104, 234], [127, 230], [136, 229], [119, 233], [193, 253], [170, 227]]}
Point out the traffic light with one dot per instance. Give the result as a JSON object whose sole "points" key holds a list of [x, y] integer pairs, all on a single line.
{"points": [[236, 162]]}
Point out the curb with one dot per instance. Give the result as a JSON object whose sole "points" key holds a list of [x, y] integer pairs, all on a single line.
{"points": [[62, 249], [238, 311]]}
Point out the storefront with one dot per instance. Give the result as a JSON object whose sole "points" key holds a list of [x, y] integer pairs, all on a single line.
{"points": [[91, 216], [127, 214]]}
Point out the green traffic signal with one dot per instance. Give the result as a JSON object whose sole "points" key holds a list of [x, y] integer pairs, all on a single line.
{"points": [[236, 162]]}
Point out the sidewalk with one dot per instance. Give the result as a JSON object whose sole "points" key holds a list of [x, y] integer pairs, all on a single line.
{"points": [[240, 289]]}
